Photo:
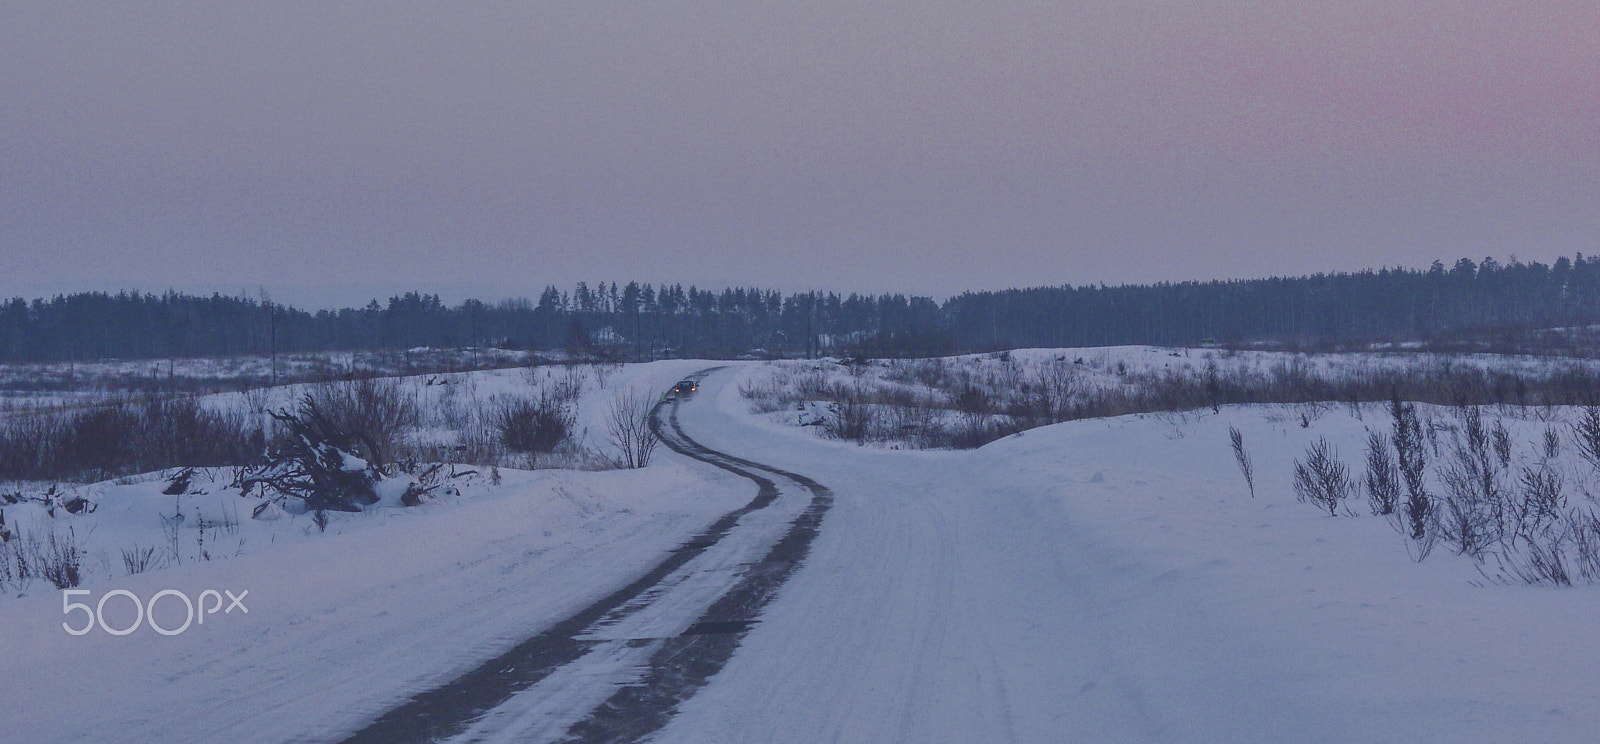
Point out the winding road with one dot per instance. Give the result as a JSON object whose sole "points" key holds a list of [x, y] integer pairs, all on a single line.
{"points": [[953, 597], [617, 670]]}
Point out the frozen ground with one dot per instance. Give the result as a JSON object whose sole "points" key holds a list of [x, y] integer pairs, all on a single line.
{"points": [[1100, 581], [1111, 580]]}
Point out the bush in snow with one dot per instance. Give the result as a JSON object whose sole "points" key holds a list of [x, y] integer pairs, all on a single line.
{"points": [[1322, 479], [180, 431], [139, 559], [1236, 438], [42, 554], [1055, 384], [122, 437], [975, 406], [1585, 536], [628, 426], [7, 571], [852, 417], [1412, 460], [311, 467], [1542, 503], [97, 441], [527, 425], [1383, 478], [568, 386], [1539, 563], [1586, 435], [371, 412], [1474, 513]]}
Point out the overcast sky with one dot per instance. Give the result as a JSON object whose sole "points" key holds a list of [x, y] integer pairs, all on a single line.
{"points": [[335, 151]]}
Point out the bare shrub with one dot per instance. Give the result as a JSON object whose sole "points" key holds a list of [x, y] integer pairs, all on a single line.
{"points": [[1466, 523], [533, 425], [975, 406], [256, 398], [1057, 382], [1586, 435], [121, 437], [915, 424], [569, 456], [813, 385], [312, 466], [30, 447], [1502, 444], [56, 559], [972, 433], [371, 413], [603, 372], [1322, 479], [180, 431], [628, 427], [853, 418], [8, 571], [1412, 460], [1585, 536], [766, 395], [1538, 563], [1542, 503], [1473, 517], [139, 559], [451, 410], [1383, 478], [1236, 438], [98, 441], [568, 386]]}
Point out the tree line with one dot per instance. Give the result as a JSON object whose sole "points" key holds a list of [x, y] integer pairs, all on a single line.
{"points": [[1469, 300]]}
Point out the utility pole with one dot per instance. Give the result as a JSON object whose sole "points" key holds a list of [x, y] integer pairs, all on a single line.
{"points": [[472, 323], [811, 325], [272, 334]]}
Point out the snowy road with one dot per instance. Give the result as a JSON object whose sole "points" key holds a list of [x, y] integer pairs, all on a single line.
{"points": [[944, 600], [950, 600], [972, 597], [617, 670], [1110, 581]]}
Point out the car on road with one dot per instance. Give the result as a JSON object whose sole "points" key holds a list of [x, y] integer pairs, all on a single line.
{"points": [[684, 389]]}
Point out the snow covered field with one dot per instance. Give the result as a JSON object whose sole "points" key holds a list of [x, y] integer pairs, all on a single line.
{"points": [[966, 401], [1111, 580], [222, 372], [1101, 580]]}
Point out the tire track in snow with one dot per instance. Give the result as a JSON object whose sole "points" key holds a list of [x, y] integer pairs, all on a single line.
{"points": [[672, 669], [683, 665]]}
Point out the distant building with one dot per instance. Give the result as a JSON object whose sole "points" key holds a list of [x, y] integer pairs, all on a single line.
{"points": [[608, 336]]}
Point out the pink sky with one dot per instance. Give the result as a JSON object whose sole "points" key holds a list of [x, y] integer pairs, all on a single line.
{"points": [[921, 147]]}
